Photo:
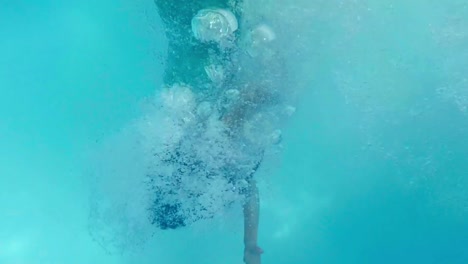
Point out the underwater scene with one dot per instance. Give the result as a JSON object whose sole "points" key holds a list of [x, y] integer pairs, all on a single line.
{"points": [[233, 131]]}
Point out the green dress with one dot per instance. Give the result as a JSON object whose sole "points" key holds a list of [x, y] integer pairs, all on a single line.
{"points": [[186, 64], [187, 58]]}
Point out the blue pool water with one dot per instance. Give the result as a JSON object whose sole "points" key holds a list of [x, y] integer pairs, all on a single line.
{"points": [[372, 167]]}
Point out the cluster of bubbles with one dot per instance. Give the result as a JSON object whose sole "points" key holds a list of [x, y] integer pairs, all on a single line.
{"points": [[197, 164], [188, 172], [190, 156], [250, 87]]}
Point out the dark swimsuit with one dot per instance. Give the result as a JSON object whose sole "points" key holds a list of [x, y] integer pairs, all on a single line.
{"points": [[167, 215]]}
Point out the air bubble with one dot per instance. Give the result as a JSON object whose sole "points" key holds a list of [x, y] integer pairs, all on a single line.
{"points": [[214, 25]]}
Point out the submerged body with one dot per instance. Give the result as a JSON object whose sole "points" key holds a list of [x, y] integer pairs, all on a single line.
{"points": [[206, 62]]}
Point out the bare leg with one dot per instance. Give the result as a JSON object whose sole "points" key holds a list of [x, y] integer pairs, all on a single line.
{"points": [[251, 215]]}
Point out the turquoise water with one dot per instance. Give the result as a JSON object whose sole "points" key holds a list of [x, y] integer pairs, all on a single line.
{"points": [[373, 166]]}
